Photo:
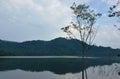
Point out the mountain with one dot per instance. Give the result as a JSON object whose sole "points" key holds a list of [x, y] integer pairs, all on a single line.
{"points": [[55, 47]]}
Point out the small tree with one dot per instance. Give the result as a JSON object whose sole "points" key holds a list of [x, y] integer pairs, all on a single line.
{"points": [[82, 25], [82, 28]]}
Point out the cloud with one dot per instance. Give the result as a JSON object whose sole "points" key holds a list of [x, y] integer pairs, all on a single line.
{"points": [[22, 20], [110, 2], [45, 15], [108, 36]]}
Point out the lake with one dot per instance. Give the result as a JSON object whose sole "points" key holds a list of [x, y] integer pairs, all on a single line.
{"points": [[58, 67]]}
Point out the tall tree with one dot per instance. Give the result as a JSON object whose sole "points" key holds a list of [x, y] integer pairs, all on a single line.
{"points": [[82, 28]]}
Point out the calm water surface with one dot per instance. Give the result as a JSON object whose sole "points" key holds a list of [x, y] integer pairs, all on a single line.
{"points": [[58, 68]]}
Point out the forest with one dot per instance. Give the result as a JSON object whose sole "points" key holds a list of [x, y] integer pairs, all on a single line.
{"points": [[56, 47]]}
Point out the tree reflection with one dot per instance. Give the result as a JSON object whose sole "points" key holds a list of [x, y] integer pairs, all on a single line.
{"points": [[57, 66]]}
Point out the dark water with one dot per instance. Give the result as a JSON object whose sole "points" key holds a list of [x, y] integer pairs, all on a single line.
{"points": [[58, 68]]}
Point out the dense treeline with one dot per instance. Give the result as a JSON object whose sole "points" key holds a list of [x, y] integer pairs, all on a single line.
{"points": [[58, 46], [6, 53]]}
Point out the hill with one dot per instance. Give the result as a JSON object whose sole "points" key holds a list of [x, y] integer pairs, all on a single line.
{"points": [[55, 47]]}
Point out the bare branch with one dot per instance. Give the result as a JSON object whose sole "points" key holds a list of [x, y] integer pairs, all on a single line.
{"points": [[84, 24]]}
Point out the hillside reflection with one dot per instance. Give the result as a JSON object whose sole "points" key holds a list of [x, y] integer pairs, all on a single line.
{"points": [[55, 65]]}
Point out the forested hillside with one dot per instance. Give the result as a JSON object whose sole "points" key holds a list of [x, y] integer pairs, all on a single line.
{"points": [[55, 47]]}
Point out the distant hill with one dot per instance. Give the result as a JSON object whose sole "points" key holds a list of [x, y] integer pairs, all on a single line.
{"points": [[55, 47]]}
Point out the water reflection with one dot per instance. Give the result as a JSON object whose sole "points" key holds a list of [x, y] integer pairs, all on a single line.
{"points": [[58, 68], [104, 72]]}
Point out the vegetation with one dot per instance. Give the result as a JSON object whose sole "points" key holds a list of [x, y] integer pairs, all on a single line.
{"points": [[4, 53], [118, 55], [83, 24], [55, 47], [114, 11]]}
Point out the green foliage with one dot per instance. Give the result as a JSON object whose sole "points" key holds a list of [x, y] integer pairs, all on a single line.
{"points": [[83, 12], [56, 47], [82, 27], [114, 10], [83, 23], [4, 53], [118, 55]]}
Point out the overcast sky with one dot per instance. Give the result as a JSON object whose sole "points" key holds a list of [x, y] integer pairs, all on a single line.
{"points": [[22, 20]]}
